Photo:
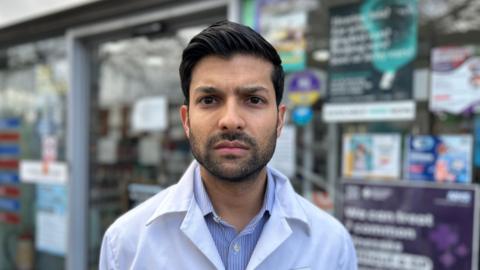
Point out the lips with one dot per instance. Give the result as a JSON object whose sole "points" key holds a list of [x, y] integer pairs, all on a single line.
{"points": [[231, 148], [230, 145]]}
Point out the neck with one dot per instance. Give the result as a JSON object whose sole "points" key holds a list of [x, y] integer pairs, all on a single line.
{"points": [[236, 202]]}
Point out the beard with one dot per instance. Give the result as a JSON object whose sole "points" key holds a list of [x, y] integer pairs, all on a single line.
{"points": [[245, 168]]}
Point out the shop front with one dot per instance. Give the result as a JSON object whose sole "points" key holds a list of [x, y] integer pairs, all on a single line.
{"points": [[89, 122], [382, 129], [382, 96]]}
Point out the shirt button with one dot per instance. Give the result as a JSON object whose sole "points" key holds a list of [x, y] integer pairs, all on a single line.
{"points": [[236, 247]]}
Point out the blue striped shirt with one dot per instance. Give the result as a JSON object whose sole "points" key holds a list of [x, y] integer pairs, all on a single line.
{"points": [[235, 249]]}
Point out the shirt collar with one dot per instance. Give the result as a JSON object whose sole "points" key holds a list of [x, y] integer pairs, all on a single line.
{"points": [[203, 201], [180, 197]]}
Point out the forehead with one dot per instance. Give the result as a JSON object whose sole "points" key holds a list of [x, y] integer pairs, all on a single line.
{"points": [[241, 68]]}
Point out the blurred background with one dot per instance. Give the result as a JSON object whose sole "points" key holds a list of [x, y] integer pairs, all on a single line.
{"points": [[382, 132]]}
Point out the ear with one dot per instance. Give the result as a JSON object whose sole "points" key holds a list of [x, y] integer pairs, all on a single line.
{"points": [[185, 121], [281, 118]]}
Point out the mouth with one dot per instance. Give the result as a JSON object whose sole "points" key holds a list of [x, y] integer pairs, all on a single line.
{"points": [[231, 148]]}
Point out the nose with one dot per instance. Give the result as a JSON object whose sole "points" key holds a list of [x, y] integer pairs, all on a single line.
{"points": [[231, 118]]}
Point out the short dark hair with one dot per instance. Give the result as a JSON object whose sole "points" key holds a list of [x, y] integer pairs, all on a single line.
{"points": [[226, 39]]}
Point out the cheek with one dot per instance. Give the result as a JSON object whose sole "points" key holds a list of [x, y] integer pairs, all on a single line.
{"points": [[265, 125], [198, 128]]}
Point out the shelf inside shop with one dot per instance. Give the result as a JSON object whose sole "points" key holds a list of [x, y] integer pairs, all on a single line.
{"points": [[105, 194]]}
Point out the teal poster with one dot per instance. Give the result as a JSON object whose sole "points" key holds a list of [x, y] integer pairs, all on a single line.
{"points": [[372, 46]]}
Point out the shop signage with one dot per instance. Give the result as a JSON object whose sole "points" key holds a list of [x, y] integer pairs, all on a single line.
{"points": [[39, 172], [306, 87], [372, 46], [283, 23], [379, 111], [302, 115], [446, 158], [455, 80], [412, 225], [369, 156]]}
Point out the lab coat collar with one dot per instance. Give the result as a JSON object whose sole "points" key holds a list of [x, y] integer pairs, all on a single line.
{"points": [[286, 200], [181, 197]]}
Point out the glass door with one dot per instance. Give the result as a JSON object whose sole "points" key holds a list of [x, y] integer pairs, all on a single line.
{"points": [[137, 144]]}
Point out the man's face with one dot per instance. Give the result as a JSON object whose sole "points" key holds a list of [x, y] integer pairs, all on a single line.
{"points": [[232, 120]]}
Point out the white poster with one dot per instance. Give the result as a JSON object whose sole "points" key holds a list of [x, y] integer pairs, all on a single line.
{"points": [[284, 157], [32, 171], [455, 84], [150, 114], [371, 156], [374, 111]]}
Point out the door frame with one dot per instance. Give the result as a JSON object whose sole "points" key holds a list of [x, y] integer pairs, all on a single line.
{"points": [[79, 53]]}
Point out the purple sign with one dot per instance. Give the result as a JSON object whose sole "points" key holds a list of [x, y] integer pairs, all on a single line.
{"points": [[412, 225], [305, 81]]}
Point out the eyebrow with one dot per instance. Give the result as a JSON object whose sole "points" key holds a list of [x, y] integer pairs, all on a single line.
{"points": [[207, 90], [242, 90], [248, 90]]}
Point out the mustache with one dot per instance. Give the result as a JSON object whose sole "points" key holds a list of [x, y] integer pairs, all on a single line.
{"points": [[231, 136]]}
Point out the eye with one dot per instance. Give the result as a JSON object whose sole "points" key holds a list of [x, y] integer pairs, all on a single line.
{"points": [[255, 100], [207, 100]]}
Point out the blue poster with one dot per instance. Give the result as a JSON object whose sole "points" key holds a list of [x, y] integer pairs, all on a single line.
{"points": [[446, 158], [51, 219]]}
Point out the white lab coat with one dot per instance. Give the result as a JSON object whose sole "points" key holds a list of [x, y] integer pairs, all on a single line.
{"points": [[168, 231]]}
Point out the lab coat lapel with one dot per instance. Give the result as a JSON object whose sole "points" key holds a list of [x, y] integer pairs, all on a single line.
{"points": [[195, 228], [275, 232]]}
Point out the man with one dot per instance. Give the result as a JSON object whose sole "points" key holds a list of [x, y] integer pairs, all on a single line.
{"points": [[229, 210]]}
